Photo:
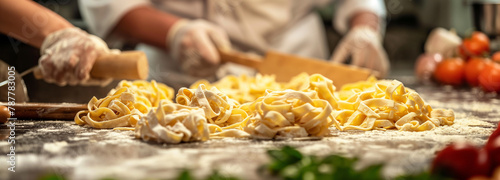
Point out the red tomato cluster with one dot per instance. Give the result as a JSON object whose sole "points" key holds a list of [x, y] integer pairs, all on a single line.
{"points": [[464, 161], [473, 66], [477, 45]]}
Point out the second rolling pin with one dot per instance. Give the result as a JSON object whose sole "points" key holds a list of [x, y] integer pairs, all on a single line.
{"points": [[286, 66], [41, 111], [126, 65]]}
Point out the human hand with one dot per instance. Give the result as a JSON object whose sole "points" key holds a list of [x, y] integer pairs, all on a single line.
{"points": [[364, 46], [194, 44], [67, 56]]}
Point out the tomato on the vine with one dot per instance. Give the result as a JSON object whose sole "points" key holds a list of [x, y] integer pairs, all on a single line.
{"points": [[489, 78], [450, 71], [472, 48], [481, 38], [477, 45], [473, 68]]}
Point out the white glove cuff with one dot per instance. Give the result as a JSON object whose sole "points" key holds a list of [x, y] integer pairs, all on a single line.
{"points": [[369, 32], [347, 8]]}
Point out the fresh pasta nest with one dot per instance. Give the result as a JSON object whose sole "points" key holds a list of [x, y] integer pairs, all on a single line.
{"points": [[289, 113], [259, 107], [124, 105], [173, 123]]}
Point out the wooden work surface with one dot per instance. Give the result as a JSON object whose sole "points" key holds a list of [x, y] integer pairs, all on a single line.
{"points": [[84, 153]]}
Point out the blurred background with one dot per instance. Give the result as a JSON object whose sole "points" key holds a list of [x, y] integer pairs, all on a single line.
{"points": [[408, 25]]}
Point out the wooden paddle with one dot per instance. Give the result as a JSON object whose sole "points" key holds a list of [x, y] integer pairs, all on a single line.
{"points": [[286, 66]]}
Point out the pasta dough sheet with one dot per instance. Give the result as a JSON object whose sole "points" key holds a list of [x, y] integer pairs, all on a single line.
{"points": [[259, 107]]}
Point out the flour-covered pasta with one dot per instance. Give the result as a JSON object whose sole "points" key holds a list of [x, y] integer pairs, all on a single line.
{"points": [[124, 105], [173, 123], [221, 112], [260, 107], [289, 113], [387, 104]]}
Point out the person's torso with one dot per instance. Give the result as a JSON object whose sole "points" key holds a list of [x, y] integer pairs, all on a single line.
{"points": [[251, 23]]}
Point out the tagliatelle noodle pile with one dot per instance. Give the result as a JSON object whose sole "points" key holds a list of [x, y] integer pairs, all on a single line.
{"points": [[173, 123], [375, 104], [223, 114], [289, 113], [261, 108], [384, 105], [243, 89], [124, 105]]}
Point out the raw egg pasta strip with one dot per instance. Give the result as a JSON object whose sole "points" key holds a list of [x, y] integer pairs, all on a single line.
{"points": [[124, 105], [173, 123]]}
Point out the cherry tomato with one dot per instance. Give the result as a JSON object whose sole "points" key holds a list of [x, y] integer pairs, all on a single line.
{"points": [[472, 48], [496, 56], [482, 39], [477, 45], [461, 161], [473, 68], [450, 71], [489, 78]]}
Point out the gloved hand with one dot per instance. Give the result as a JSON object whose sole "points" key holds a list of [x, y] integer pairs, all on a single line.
{"points": [[194, 44], [364, 46], [67, 56]]}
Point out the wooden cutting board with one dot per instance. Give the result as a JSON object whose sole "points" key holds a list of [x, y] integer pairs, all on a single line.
{"points": [[46, 111], [286, 66]]}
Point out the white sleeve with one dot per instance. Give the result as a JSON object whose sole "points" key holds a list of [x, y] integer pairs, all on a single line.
{"points": [[103, 15], [346, 8]]}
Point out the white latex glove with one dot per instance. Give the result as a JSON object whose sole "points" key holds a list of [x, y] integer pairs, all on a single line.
{"points": [[67, 56], [363, 45], [443, 42], [194, 44]]}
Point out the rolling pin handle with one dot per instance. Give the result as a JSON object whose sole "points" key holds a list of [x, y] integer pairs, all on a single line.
{"points": [[38, 73], [126, 65]]}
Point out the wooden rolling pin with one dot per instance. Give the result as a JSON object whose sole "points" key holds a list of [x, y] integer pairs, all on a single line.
{"points": [[45, 111], [126, 65]]}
